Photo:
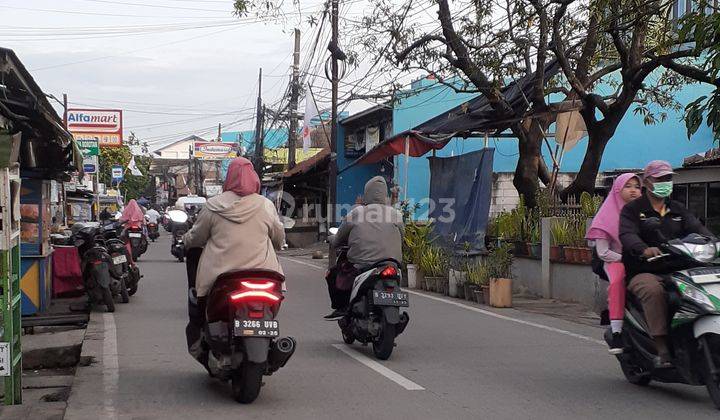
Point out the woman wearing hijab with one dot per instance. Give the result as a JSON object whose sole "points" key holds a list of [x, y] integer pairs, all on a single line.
{"points": [[605, 233], [238, 229], [132, 214]]}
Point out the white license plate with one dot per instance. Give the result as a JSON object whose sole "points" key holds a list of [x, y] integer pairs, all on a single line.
{"points": [[120, 259], [135, 235], [256, 328]]}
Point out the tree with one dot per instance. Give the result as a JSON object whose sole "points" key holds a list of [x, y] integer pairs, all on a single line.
{"points": [[131, 186]]}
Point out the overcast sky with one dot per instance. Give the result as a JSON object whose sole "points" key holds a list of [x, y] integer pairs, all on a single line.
{"points": [[173, 79]]}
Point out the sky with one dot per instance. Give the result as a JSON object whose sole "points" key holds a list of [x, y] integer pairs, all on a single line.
{"points": [[175, 67]]}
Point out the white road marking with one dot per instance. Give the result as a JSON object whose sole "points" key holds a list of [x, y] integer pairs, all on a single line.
{"points": [[301, 262], [111, 367], [509, 318], [377, 367], [484, 312]]}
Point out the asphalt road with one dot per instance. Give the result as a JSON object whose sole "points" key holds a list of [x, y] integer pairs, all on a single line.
{"points": [[454, 361]]}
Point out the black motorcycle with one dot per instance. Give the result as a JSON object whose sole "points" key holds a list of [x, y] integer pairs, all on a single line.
{"points": [[240, 334], [179, 225], [153, 231], [123, 265], [96, 264], [374, 314]]}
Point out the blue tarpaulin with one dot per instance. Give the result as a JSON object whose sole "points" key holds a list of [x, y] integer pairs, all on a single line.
{"points": [[461, 207]]}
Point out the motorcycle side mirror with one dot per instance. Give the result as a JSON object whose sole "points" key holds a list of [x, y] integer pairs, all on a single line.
{"points": [[333, 231]]}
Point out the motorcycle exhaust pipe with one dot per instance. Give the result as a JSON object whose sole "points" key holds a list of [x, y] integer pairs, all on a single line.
{"points": [[280, 352]]}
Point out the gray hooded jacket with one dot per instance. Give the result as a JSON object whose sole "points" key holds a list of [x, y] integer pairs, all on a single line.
{"points": [[373, 231]]}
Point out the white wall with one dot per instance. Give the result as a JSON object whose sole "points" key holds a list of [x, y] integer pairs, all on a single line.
{"points": [[175, 151], [504, 195]]}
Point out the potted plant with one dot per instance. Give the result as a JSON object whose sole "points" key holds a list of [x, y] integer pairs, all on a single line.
{"points": [[476, 276], [433, 263], [500, 273], [559, 232], [534, 246], [415, 241]]}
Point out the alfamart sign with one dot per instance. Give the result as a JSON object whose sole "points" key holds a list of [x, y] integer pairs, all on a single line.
{"points": [[214, 150], [103, 125]]}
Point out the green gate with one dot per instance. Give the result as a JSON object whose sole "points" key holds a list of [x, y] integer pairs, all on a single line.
{"points": [[10, 293]]}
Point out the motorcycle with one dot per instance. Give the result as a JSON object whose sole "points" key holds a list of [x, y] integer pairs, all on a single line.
{"points": [[153, 231], [134, 235], [178, 226], [240, 332], [693, 293], [124, 266], [96, 263], [374, 314]]}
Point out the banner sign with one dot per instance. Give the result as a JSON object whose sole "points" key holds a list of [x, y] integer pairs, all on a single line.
{"points": [[104, 125], [117, 173], [214, 150], [90, 164]]}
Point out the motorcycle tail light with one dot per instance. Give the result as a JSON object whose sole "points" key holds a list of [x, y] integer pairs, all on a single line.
{"points": [[389, 271], [254, 295]]}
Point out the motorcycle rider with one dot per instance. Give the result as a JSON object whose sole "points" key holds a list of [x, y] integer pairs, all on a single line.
{"points": [[641, 242], [152, 216], [238, 229], [373, 232]]}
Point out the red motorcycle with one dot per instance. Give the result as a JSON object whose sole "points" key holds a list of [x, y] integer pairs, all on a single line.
{"points": [[134, 235]]}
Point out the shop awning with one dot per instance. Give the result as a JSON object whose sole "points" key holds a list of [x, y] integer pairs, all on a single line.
{"points": [[473, 116]]}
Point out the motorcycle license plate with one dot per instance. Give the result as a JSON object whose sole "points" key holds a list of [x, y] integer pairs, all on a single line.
{"points": [[390, 298], [135, 235], [120, 259], [256, 328]]}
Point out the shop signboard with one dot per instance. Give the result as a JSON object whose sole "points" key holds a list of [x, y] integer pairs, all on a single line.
{"points": [[90, 164], [214, 150], [103, 125], [117, 173]]}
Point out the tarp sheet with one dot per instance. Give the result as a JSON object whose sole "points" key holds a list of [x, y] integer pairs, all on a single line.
{"points": [[466, 219]]}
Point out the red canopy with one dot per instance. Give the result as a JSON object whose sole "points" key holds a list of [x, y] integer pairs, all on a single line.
{"points": [[417, 145]]}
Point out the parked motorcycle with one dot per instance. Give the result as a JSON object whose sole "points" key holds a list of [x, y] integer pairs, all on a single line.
{"points": [[135, 236], [153, 231], [178, 226], [240, 332], [693, 292], [124, 265], [96, 263], [374, 314]]}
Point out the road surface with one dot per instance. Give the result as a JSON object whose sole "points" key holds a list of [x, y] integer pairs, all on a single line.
{"points": [[456, 360]]}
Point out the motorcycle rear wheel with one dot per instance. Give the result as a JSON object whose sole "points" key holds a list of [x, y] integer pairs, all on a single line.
{"points": [[633, 373], [347, 336], [247, 381], [108, 299], [385, 343], [712, 384], [124, 296]]}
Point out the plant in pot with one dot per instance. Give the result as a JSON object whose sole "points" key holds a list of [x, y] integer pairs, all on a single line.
{"points": [[415, 241], [534, 246], [559, 232], [433, 264], [476, 276], [499, 263]]}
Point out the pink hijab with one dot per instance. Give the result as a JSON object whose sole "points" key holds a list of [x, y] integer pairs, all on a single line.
{"points": [[132, 213], [241, 178], [606, 224]]}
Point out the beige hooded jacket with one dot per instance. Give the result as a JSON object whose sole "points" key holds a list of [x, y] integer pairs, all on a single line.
{"points": [[236, 233]]}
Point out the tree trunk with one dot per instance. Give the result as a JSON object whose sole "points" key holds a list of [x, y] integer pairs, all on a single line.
{"points": [[585, 179], [529, 162]]}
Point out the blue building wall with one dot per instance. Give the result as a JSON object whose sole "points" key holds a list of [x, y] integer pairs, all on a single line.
{"points": [[274, 138], [633, 145], [351, 182]]}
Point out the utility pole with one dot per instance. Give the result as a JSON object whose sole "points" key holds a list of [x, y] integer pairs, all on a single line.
{"points": [[259, 129], [294, 93], [332, 169], [65, 110], [219, 137]]}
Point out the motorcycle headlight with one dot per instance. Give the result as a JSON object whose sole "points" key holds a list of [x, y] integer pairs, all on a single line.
{"points": [[703, 253], [696, 295]]}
